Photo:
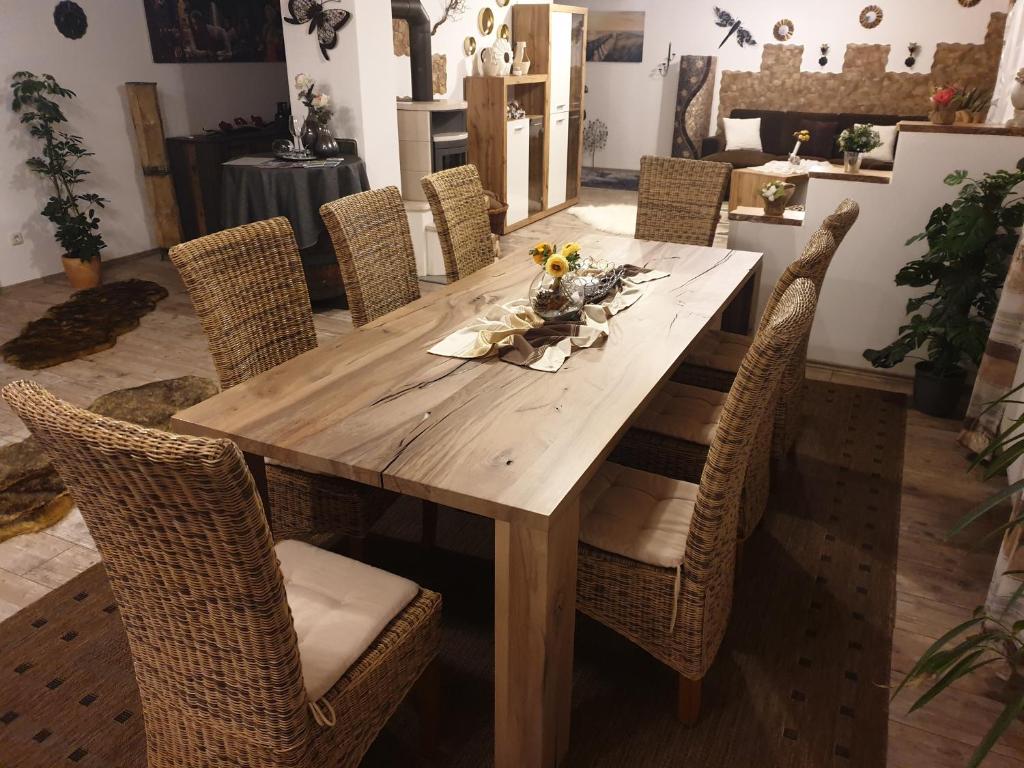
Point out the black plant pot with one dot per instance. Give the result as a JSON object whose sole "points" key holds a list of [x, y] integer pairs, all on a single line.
{"points": [[937, 395]]}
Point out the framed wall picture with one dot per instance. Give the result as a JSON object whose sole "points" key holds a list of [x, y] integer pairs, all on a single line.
{"points": [[214, 31], [616, 36]]}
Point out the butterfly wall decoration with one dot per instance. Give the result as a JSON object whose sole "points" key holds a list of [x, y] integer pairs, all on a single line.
{"points": [[323, 20], [725, 19]]}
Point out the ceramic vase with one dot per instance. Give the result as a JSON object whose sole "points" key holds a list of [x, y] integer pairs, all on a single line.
{"points": [[556, 298], [1017, 100], [325, 145], [310, 129], [852, 161]]}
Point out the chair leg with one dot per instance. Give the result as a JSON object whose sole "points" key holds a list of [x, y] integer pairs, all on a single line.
{"points": [[429, 524], [427, 701], [688, 707]]}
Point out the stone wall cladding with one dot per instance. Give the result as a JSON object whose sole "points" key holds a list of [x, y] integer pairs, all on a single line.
{"points": [[864, 85]]}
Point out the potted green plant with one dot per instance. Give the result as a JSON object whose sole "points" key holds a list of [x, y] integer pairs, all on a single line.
{"points": [[854, 142], [775, 195], [72, 212], [970, 242]]}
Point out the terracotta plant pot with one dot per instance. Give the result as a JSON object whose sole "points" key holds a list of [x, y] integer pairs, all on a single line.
{"points": [[777, 207], [82, 274], [943, 116]]}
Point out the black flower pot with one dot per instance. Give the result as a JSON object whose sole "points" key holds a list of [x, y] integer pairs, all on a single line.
{"points": [[935, 394]]}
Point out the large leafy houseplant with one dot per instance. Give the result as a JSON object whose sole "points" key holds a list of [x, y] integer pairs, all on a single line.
{"points": [[970, 242], [72, 211]]}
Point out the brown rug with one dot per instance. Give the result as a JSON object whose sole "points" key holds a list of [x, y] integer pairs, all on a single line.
{"points": [[800, 681], [89, 322], [32, 496]]}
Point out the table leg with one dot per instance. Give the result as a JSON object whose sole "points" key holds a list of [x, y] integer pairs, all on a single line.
{"points": [[258, 469], [534, 620]]}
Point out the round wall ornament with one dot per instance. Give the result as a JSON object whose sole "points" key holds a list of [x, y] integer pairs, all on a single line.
{"points": [[70, 19], [469, 45], [503, 3], [485, 21], [969, 3], [871, 17], [783, 30], [504, 32]]}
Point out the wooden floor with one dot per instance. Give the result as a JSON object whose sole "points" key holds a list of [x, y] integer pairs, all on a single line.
{"points": [[939, 583]]}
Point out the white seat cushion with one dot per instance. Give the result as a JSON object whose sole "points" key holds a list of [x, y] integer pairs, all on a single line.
{"points": [[339, 607], [684, 412], [638, 515], [720, 350]]}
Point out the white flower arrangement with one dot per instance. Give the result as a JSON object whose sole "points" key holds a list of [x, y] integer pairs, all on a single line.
{"points": [[774, 190], [321, 101], [303, 81]]}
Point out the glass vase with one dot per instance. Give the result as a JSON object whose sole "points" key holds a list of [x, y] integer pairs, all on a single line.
{"points": [[851, 162], [556, 298]]}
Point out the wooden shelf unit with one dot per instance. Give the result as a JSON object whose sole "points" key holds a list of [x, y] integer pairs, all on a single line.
{"points": [[552, 96]]}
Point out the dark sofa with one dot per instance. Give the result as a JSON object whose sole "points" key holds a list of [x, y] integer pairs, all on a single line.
{"points": [[777, 129]]}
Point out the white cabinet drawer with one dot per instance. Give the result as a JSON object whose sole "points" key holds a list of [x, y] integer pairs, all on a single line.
{"points": [[558, 159], [561, 62], [517, 170]]}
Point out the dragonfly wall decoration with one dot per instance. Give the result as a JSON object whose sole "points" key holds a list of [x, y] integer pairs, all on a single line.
{"points": [[735, 26]]}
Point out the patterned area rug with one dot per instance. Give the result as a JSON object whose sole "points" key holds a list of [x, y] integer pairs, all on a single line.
{"points": [[89, 322], [32, 496], [800, 681]]}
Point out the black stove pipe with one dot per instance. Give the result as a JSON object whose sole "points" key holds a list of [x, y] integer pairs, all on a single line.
{"points": [[420, 51]]}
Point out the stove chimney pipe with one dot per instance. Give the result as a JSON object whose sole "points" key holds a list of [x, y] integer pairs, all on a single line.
{"points": [[420, 51]]}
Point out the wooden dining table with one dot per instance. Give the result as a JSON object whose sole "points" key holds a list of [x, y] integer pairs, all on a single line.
{"points": [[490, 438]]}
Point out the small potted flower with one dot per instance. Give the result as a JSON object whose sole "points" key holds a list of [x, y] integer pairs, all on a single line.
{"points": [[775, 195], [945, 103], [854, 142], [553, 293], [316, 134], [802, 137]]}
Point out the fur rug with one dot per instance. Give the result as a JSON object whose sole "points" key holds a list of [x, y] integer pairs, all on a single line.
{"points": [[615, 218], [32, 496], [89, 322]]}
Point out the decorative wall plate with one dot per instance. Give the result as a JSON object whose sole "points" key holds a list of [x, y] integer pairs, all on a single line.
{"points": [[485, 21], [503, 3], [871, 17], [469, 45], [504, 32], [783, 30], [969, 3], [70, 19]]}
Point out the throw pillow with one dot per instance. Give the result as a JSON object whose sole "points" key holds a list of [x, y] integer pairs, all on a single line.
{"points": [[885, 153], [823, 138], [742, 134]]}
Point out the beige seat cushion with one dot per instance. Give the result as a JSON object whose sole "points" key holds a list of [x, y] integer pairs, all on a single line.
{"points": [[684, 412], [638, 515], [720, 350], [339, 607]]}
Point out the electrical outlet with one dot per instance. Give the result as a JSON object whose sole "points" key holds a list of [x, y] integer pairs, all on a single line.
{"points": [[17, 239]]}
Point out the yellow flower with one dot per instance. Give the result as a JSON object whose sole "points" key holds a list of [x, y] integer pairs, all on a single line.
{"points": [[540, 252], [570, 249], [538, 257], [557, 266]]}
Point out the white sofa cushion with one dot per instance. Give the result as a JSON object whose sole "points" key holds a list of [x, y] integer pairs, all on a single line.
{"points": [[339, 607], [638, 515], [886, 152], [743, 133]]}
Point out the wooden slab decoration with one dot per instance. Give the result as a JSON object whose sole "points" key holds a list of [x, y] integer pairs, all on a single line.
{"points": [[90, 322], [149, 139]]}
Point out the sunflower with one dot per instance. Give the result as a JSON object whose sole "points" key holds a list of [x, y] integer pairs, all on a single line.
{"points": [[557, 266]]}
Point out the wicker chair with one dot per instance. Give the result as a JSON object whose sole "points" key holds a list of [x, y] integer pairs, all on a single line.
{"points": [[371, 237], [458, 204], [248, 288], [680, 201], [244, 654], [657, 556], [715, 358]]}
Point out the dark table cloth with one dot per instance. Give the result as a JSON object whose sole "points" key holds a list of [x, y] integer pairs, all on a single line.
{"points": [[254, 192]]}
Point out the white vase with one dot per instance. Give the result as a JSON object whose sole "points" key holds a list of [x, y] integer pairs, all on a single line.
{"points": [[1017, 99]]}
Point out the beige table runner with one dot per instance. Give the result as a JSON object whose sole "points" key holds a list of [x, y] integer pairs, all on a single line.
{"points": [[517, 334]]}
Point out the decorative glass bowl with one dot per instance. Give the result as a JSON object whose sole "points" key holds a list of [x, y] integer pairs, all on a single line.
{"points": [[557, 298]]}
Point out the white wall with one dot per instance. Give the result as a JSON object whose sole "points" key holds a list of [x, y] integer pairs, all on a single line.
{"points": [[861, 306], [358, 79], [449, 40], [114, 50], [638, 105]]}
